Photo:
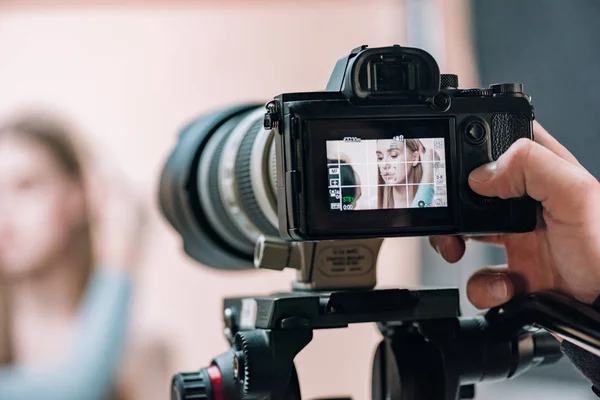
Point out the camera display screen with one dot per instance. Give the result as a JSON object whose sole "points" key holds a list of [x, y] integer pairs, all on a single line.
{"points": [[394, 173]]}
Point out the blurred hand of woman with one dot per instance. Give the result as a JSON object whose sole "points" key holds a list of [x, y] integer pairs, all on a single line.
{"points": [[118, 220], [563, 253]]}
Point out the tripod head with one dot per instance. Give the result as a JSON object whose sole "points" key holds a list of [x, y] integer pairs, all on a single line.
{"points": [[428, 351]]}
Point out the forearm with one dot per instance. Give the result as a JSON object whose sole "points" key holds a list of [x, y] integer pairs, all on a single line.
{"points": [[88, 369]]}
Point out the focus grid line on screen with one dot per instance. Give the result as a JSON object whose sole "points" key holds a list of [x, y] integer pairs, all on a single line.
{"points": [[368, 178], [434, 180], [367, 186], [405, 177], [340, 175], [378, 162]]}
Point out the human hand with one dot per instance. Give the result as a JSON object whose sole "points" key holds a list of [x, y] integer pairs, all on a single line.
{"points": [[563, 253], [117, 222]]}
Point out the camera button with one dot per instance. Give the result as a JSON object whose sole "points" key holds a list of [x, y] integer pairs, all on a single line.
{"points": [[441, 101], [476, 132]]}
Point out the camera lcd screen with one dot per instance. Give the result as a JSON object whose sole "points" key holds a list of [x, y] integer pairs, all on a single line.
{"points": [[394, 173], [383, 174]]}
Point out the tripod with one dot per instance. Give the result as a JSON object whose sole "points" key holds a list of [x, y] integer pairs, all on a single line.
{"points": [[428, 351]]}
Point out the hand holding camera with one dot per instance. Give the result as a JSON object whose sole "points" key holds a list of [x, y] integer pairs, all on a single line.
{"points": [[563, 253]]}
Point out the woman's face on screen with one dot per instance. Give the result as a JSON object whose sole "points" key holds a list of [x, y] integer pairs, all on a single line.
{"points": [[391, 161]]}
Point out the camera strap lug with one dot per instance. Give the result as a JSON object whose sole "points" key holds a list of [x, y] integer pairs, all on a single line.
{"points": [[272, 117]]}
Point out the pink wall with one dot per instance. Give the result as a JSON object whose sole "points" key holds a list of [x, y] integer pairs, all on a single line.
{"points": [[132, 75]]}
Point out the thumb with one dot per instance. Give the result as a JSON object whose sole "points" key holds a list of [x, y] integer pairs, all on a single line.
{"points": [[490, 287], [527, 167]]}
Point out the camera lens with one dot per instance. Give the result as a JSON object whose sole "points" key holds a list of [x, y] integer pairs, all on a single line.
{"points": [[218, 188], [476, 132]]}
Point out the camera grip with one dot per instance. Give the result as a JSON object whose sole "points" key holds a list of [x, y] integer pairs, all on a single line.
{"points": [[507, 129]]}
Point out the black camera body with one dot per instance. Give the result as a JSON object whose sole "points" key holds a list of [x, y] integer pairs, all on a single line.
{"points": [[387, 149]]}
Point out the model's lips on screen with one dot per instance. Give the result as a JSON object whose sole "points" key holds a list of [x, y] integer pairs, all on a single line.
{"points": [[388, 175]]}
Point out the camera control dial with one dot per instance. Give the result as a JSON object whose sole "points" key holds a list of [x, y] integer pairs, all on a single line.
{"points": [[507, 89], [449, 81], [475, 93]]}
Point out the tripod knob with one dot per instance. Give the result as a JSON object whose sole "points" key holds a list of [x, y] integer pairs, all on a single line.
{"points": [[205, 384]]}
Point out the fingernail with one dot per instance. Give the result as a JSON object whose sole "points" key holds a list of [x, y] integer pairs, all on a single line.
{"points": [[497, 289], [483, 173]]}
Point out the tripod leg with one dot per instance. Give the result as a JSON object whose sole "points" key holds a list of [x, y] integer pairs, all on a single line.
{"points": [[292, 392]]}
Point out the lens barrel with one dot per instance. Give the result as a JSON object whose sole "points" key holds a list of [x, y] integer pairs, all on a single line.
{"points": [[217, 187]]}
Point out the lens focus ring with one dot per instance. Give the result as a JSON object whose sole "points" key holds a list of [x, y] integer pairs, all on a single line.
{"points": [[243, 177], [216, 201]]}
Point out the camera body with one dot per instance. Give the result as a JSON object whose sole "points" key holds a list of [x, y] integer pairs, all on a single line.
{"points": [[387, 148]]}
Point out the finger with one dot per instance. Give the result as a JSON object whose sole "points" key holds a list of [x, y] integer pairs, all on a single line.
{"points": [[451, 248], [490, 287], [565, 190], [542, 137]]}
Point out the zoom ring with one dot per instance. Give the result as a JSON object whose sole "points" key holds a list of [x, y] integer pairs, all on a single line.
{"points": [[215, 196], [244, 183]]}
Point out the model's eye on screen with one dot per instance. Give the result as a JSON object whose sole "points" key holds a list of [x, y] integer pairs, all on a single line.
{"points": [[395, 173]]}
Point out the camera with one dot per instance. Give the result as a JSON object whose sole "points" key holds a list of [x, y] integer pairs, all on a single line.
{"points": [[384, 151], [387, 150], [315, 181]]}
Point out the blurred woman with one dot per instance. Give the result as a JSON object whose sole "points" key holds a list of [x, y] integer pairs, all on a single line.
{"points": [[404, 174], [66, 260]]}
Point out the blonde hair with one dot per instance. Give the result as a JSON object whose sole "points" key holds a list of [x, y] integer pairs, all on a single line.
{"points": [[385, 194]]}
